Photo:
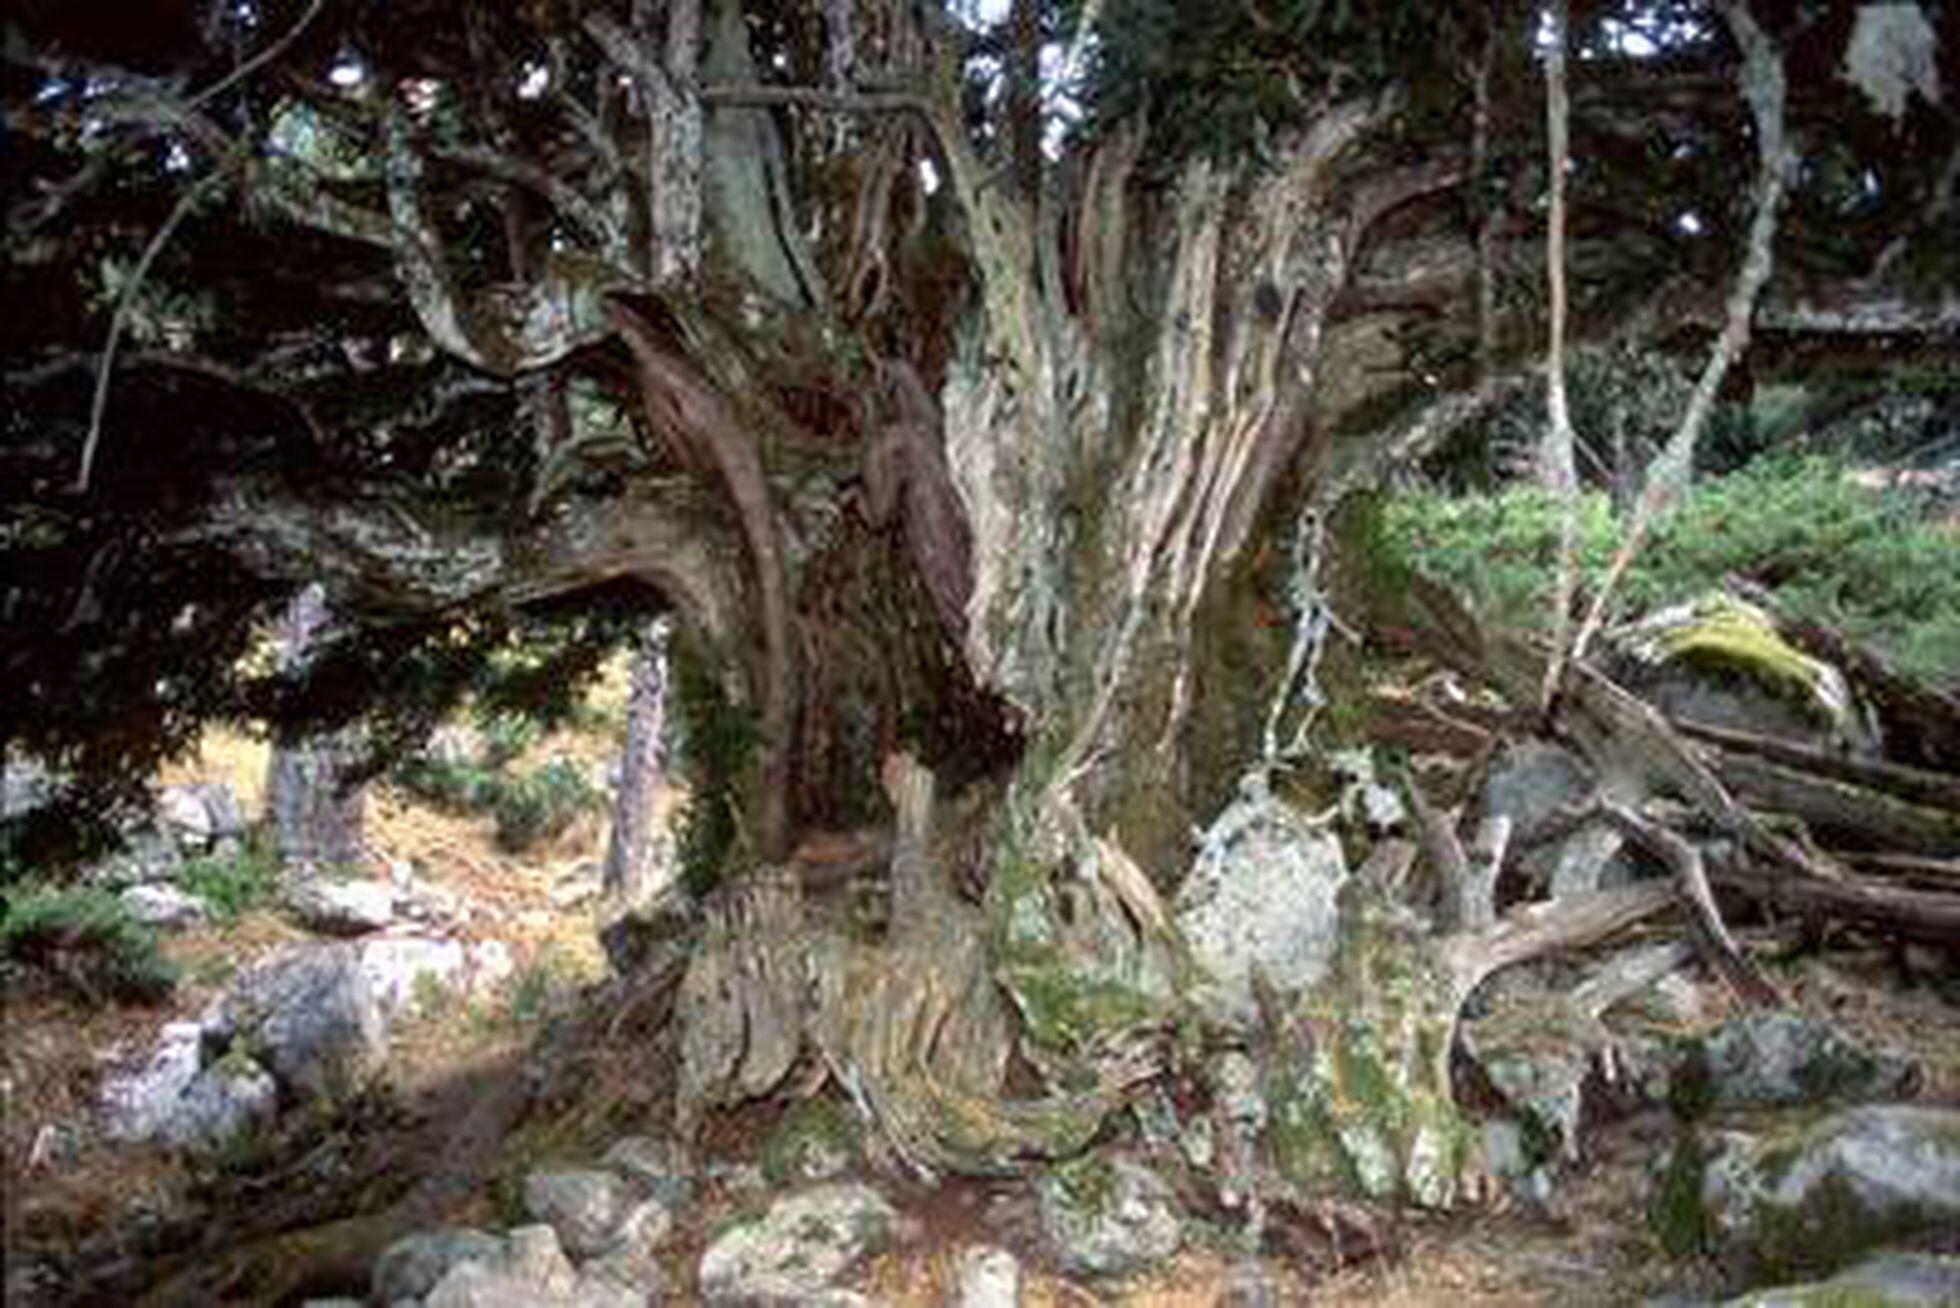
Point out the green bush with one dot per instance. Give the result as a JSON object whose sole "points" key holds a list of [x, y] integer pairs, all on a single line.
{"points": [[84, 940], [528, 807], [233, 884], [1826, 547], [538, 806]]}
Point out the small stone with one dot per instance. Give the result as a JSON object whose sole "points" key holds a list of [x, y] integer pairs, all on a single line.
{"points": [[342, 908], [406, 972], [1810, 1198], [136, 1106], [225, 1100], [658, 1168], [985, 1277], [800, 1247], [160, 904], [412, 1266], [183, 811], [535, 1256], [584, 1207], [1895, 1280], [311, 1015], [1109, 1217]]}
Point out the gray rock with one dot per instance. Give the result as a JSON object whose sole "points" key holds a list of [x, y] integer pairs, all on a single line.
{"points": [[311, 1015], [160, 904], [225, 1100], [531, 1271], [1766, 1059], [1810, 1198], [657, 1168], [25, 785], [147, 856], [406, 971], [1260, 896], [985, 1277], [414, 1265], [342, 908], [1528, 783], [583, 1207], [137, 1106], [1109, 1217], [800, 1247], [187, 817], [187, 1096], [1895, 1280]]}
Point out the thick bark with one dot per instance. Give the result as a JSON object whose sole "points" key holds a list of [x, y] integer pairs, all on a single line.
{"points": [[639, 865], [315, 808]]}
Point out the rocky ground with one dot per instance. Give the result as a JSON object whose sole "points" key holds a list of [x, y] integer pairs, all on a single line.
{"points": [[427, 1086]]}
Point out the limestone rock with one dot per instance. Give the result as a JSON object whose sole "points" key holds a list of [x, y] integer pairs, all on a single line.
{"points": [[414, 1265], [162, 905], [1768, 1059], [1896, 1280], [342, 908], [985, 1277], [1109, 1217], [311, 1014], [1811, 1197], [406, 971], [583, 1207], [136, 1106], [657, 1168], [1260, 897], [187, 1096], [800, 1247], [531, 1272], [225, 1100]]}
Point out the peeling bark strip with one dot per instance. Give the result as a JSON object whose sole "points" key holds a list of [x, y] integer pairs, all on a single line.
{"points": [[690, 411], [905, 471]]}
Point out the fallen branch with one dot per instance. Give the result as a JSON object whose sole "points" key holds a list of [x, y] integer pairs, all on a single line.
{"points": [[1537, 929], [1913, 914], [1915, 785], [1725, 958]]}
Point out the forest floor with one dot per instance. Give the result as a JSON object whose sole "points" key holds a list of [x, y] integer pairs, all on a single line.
{"points": [[450, 1069]]}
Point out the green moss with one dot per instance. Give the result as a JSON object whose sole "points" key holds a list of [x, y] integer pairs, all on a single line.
{"points": [[1676, 1212], [1725, 636], [720, 743]]}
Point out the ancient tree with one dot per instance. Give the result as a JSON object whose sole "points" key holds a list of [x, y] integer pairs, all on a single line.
{"points": [[993, 407]]}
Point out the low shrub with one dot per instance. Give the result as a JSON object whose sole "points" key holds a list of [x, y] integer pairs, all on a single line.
{"points": [[233, 884], [1828, 548], [83, 940]]}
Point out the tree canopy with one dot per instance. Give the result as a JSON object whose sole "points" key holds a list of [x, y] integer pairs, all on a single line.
{"points": [[452, 306]]}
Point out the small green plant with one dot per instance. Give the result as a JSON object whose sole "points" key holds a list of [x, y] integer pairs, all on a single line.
{"points": [[83, 939], [233, 884]]}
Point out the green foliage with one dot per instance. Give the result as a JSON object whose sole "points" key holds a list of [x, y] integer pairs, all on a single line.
{"points": [[233, 884], [530, 807], [1825, 546], [717, 740], [537, 806], [84, 940]]}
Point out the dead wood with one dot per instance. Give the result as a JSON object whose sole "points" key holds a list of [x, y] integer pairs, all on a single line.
{"points": [[1915, 785], [1911, 914], [1725, 958], [1852, 813], [1939, 874], [1535, 930]]}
